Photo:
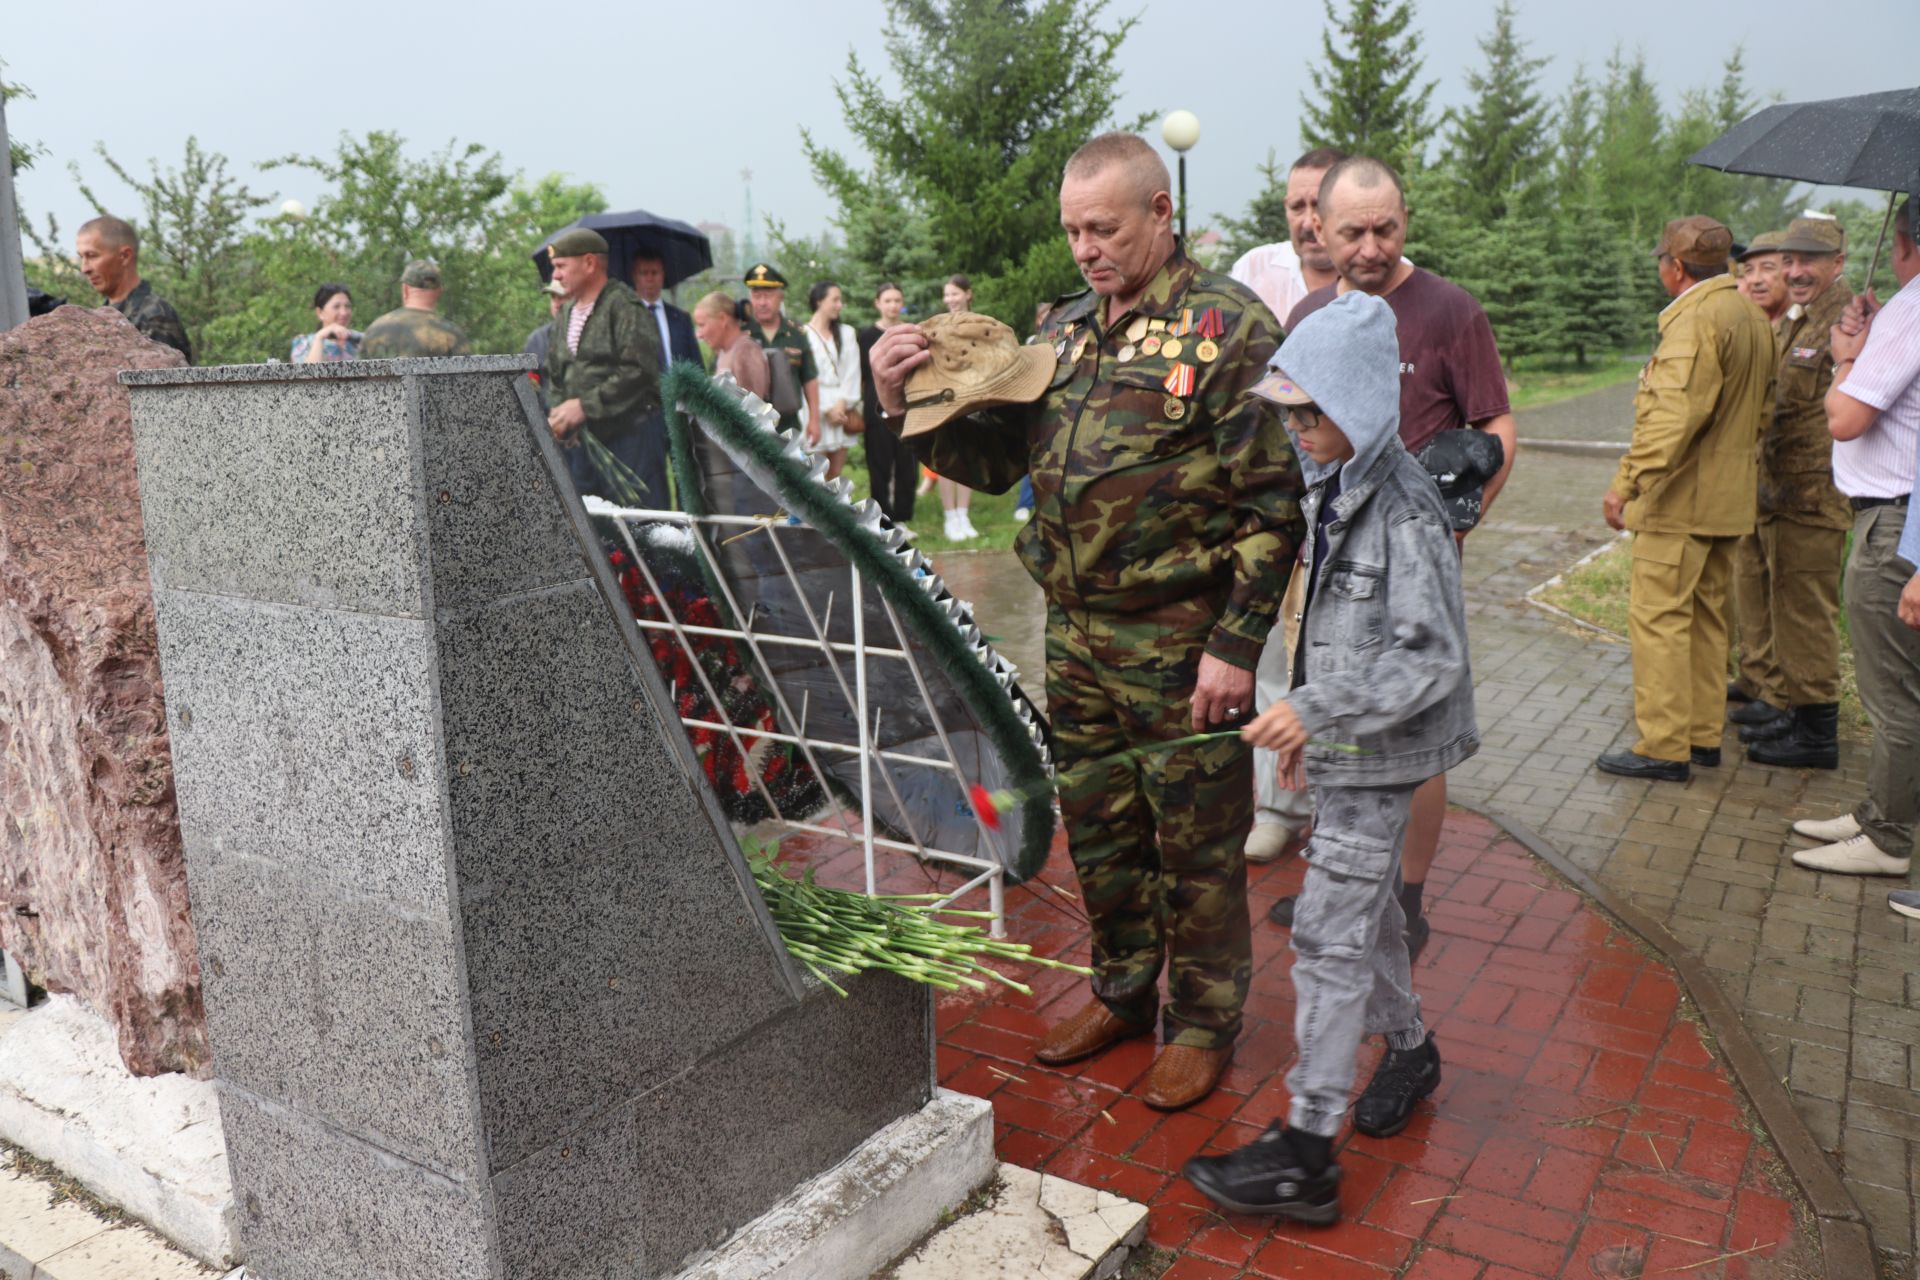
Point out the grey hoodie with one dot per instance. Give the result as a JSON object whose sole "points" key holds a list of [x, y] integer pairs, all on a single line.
{"points": [[1382, 659]]}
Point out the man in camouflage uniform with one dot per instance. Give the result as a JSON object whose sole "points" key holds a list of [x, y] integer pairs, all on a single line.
{"points": [[1789, 594], [603, 373], [1165, 526], [415, 328], [109, 253], [766, 291]]}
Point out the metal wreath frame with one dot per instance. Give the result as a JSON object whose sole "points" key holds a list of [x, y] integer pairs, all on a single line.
{"points": [[890, 588]]}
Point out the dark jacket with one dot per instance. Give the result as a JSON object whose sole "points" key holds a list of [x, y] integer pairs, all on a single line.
{"points": [[686, 345], [615, 374]]}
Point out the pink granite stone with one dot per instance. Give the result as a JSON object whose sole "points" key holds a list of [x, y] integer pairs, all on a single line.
{"points": [[93, 890]]}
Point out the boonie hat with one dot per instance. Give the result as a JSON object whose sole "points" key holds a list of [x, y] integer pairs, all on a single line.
{"points": [[577, 242], [1698, 241], [421, 274], [1814, 235], [1765, 242], [977, 363], [761, 275]]}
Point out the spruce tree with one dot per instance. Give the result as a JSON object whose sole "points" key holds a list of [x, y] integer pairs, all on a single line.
{"points": [[1366, 98], [1266, 219], [1574, 139], [1496, 142], [1597, 299]]}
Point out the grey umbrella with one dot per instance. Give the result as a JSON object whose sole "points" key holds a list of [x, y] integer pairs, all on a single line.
{"points": [[1871, 140]]}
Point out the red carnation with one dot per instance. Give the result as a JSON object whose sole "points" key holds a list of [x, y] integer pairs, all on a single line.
{"points": [[983, 804]]}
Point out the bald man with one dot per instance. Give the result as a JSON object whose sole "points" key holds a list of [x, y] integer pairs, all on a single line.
{"points": [[1164, 529]]}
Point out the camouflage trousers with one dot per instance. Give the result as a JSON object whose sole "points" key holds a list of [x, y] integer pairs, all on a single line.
{"points": [[1156, 841]]}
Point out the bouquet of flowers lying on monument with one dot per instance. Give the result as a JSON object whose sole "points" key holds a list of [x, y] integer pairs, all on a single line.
{"points": [[776, 766]]}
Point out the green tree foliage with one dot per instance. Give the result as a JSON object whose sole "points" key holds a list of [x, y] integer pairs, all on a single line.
{"points": [[244, 284], [1366, 97], [1575, 137], [1598, 314], [1496, 143], [20, 155], [994, 95], [1266, 220], [1506, 263]]}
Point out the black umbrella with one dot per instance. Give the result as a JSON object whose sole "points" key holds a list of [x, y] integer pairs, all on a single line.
{"points": [[1872, 141], [637, 233]]}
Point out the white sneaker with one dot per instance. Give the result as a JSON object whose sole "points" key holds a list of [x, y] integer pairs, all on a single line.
{"points": [[1268, 840], [953, 526], [1827, 830], [1854, 856], [965, 523]]}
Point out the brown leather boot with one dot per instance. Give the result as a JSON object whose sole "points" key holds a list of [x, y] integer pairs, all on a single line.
{"points": [[1086, 1033], [1182, 1075]]}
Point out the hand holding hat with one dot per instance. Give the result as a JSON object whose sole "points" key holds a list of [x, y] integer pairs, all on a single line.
{"points": [[975, 363]]}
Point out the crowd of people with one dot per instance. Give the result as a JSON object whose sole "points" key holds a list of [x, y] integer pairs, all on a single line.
{"points": [[1247, 499]]}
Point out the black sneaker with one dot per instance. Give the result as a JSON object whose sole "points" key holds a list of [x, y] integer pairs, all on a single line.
{"points": [[1281, 912], [1268, 1176], [1404, 1077]]}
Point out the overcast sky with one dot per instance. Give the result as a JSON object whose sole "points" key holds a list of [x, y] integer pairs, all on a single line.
{"points": [[663, 105]]}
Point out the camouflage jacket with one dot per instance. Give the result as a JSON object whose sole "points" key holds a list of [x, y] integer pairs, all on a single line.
{"points": [[1796, 451], [1149, 490], [409, 331], [615, 373], [155, 317]]}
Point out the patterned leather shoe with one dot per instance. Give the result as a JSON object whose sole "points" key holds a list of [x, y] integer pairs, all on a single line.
{"points": [[1086, 1033], [1182, 1075]]}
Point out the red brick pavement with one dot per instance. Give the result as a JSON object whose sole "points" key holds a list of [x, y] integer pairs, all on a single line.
{"points": [[1582, 1128]]}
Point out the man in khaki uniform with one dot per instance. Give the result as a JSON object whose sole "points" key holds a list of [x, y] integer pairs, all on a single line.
{"points": [[1686, 489], [1789, 569], [1759, 274]]}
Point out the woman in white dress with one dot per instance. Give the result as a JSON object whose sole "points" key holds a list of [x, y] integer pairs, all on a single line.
{"points": [[836, 354]]}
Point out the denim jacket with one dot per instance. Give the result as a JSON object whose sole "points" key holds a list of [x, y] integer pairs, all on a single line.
{"points": [[1382, 659]]}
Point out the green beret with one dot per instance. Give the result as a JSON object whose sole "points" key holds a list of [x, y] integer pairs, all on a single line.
{"points": [[421, 274], [575, 241], [762, 276]]}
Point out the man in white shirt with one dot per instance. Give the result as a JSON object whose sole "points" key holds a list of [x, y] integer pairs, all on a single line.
{"points": [[1873, 411], [1282, 274]]}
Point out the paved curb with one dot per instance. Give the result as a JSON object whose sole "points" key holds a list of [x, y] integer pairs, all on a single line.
{"points": [[1606, 448], [1846, 1245]]}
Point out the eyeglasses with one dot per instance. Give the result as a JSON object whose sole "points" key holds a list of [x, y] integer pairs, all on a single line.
{"points": [[1306, 417]]}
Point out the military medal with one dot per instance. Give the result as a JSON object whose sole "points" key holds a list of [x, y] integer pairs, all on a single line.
{"points": [[1137, 330], [1151, 346], [1180, 381], [1080, 348], [1126, 353], [1186, 323], [1174, 408], [1211, 325], [1170, 348], [1157, 324], [1207, 352]]}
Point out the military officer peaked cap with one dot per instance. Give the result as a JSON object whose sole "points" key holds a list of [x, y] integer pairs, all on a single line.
{"points": [[761, 275], [577, 242], [1814, 235]]}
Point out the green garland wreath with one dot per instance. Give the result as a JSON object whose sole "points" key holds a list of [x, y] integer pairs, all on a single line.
{"points": [[939, 623]]}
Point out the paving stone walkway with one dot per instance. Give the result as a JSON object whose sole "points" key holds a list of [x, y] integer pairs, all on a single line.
{"points": [[1583, 1128]]}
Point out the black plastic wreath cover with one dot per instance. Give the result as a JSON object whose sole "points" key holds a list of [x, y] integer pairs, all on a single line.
{"points": [[737, 464]]}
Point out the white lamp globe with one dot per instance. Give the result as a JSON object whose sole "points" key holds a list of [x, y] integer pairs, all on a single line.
{"points": [[293, 209], [1180, 130]]}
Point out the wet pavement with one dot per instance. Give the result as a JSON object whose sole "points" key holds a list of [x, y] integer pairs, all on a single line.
{"points": [[1583, 1127]]}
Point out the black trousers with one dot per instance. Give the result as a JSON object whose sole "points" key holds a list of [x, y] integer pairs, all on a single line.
{"points": [[893, 470]]}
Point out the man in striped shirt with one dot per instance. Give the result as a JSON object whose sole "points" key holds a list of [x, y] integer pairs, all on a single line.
{"points": [[1873, 411]]}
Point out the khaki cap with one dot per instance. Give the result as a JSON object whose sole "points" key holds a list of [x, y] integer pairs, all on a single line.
{"points": [[421, 274], [1814, 235], [1765, 242], [1279, 388], [1698, 241], [977, 364]]}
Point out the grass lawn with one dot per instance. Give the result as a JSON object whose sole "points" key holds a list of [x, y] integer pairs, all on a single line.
{"points": [[1596, 593], [1533, 385]]}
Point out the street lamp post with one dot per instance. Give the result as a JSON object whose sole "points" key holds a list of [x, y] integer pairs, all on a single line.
{"points": [[1180, 130]]}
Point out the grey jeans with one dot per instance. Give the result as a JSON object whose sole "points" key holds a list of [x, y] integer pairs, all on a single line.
{"points": [[1886, 657], [1351, 976]]}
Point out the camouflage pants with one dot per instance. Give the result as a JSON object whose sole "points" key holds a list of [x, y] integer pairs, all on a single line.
{"points": [[1157, 842]]}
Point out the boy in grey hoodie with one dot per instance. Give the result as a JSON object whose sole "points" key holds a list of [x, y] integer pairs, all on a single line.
{"points": [[1382, 699]]}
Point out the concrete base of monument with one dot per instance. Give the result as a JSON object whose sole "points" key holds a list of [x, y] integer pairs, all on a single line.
{"points": [[151, 1146], [864, 1212], [1033, 1226]]}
